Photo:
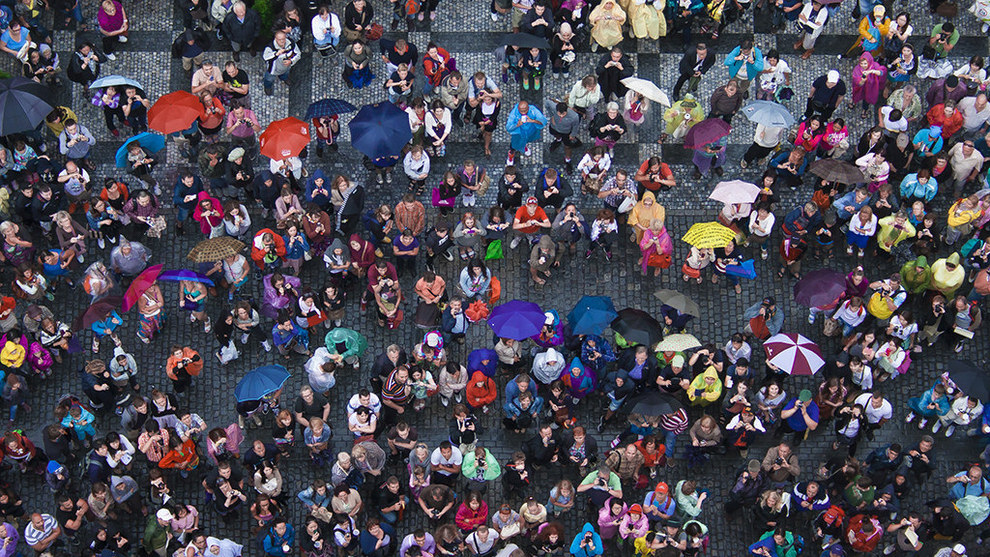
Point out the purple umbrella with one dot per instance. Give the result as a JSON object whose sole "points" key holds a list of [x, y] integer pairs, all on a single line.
{"points": [[819, 288], [517, 320], [705, 132], [179, 275]]}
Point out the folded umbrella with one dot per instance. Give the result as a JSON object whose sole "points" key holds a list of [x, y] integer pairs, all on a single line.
{"points": [[735, 191], [678, 342], [179, 275], [96, 312], [174, 112], [284, 138], [115, 81], [517, 320], [591, 315], [24, 103], [637, 327], [819, 288], [705, 132], [838, 171], [646, 88], [794, 354], [709, 235], [329, 107], [768, 113], [215, 249], [525, 40], [140, 285], [678, 301], [970, 379], [380, 130], [260, 382], [151, 142]]}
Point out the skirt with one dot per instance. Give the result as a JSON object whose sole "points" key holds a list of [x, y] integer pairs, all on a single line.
{"points": [[150, 324]]}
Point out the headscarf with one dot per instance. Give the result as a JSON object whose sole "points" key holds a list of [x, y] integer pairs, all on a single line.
{"points": [[363, 256], [944, 280]]}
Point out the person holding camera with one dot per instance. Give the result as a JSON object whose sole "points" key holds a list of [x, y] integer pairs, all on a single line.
{"points": [[781, 465], [587, 543], [800, 416]]}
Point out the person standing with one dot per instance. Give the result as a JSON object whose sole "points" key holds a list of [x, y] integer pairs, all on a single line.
{"points": [[279, 57], [564, 125], [693, 65], [241, 27], [611, 70], [826, 94], [525, 123], [744, 63]]}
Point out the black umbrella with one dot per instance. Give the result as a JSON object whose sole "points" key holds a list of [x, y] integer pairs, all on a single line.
{"points": [[655, 403], [637, 327], [970, 379], [525, 40], [24, 103], [96, 312], [839, 171]]}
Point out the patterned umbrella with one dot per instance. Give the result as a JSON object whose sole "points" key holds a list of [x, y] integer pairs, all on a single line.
{"points": [[140, 285], [329, 107], [284, 138], [705, 132], [215, 249], [708, 235], [794, 354], [678, 343]]}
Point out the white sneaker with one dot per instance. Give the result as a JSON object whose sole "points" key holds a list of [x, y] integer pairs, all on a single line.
{"points": [[514, 243], [527, 151], [494, 16], [861, 253], [889, 549], [100, 242], [80, 258], [909, 417], [764, 254], [849, 250], [950, 430], [121, 39], [922, 423], [937, 426], [267, 345], [811, 318], [111, 56]]}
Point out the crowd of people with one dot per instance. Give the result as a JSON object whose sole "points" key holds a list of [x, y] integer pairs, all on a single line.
{"points": [[317, 250]]}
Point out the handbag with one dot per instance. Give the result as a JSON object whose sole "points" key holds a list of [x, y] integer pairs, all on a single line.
{"points": [[374, 32], [495, 289], [228, 353], [832, 328], [627, 205]]}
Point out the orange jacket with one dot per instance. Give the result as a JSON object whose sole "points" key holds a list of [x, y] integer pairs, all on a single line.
{"points": [[258, 250], [193, 367], [478, 396]]}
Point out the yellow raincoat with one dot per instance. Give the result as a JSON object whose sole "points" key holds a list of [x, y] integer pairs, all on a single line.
{"points": [[643, 215], [606, 24], [646, 19], [946, 281], [889, 236], [703, 393], [680, 117]]}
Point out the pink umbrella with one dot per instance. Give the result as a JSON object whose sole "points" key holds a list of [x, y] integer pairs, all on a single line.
{"points": [[794, 354], [140, 285]]}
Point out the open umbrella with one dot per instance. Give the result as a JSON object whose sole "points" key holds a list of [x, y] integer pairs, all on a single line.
{"points": [[591, 314], [329, 107], [215, 249], [655, 403], [708, 235], [115, 81], [97, 312], [637, 327], [517, 320], [151, 142], [178, 275], [705, 132], [260, 382], [678, 343], [735, 191], [140, 284], [678, 301], [819, 288], [174, 112], [794, 354], [768, 113], [525, 40], [646, 88], [970, 379], [838, 171], [380, 130], [24, 103], [284, 138]]}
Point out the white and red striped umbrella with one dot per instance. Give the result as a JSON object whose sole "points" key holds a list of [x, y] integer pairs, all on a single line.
{"points": [[794, 354]]}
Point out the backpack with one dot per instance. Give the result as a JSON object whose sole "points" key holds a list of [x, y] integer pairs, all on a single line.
{"points": [[411, 7], [834, 516]]}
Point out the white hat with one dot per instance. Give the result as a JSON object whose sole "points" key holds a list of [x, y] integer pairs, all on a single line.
{"points": [[959, 548], [432, 340], [832, 76], [548, 318], [164, 514]]}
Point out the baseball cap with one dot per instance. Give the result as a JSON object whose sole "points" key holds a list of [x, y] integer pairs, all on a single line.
{"points": [[164, 514], [677, 361], [55, 468], [769, 301], [832, 76], [662, 488], [805, 395], [531, 200], [637, 508], [959, 548], [547, 318], [879, 10]]}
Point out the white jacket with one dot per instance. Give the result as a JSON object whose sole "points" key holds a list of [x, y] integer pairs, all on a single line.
{"points": [[321, 27]]}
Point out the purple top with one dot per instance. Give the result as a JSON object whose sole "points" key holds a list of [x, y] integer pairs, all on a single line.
{"points": [[111, 22]]}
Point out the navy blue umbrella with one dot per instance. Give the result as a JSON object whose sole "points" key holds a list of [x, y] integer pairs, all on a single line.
{"points": [[24, 103], [260, 382], [329, 107], [380, 130], [591, 315]]}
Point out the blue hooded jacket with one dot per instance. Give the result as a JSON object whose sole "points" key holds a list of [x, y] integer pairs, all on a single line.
{"points": [[595, 548]]}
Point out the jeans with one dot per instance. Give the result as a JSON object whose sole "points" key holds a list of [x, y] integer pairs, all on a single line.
{"points": [[181, 214], [669, 441], [328, 41], [269, 79]]}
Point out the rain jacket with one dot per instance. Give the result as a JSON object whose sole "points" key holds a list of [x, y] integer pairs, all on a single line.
{"points": [[320, 196], [888, 237], [752, 69], [916, 282], [596, 541], [708, 393], [545, 373], [582, 385], [478, 396], [911, 188], [207, 224], [354, 342], [469, 466], [944, 280]]}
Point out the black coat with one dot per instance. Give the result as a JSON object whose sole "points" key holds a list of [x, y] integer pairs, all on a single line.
{"points": [[690, 59], [242, 33]]}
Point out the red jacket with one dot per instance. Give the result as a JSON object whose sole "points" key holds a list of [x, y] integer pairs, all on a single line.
{"points": [[258, 249], [483, 395], [436, 70], [858, 539]]}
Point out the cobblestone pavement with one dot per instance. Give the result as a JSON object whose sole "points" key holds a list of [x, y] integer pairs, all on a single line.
{"points": [[464, 28]]}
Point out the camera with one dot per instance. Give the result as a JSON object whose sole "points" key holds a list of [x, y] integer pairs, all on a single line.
{"points": [[778, 461]]}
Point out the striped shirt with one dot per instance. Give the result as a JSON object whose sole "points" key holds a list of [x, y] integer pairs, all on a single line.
{"points": [[675, 423], [32, 535], [395, 391]]}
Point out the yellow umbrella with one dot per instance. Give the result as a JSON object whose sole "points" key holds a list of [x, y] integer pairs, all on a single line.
{"points": [[709, 235]]}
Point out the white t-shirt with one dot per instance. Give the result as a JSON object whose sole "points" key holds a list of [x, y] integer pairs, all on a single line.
{"points": [[874, 415], [896, 127], [770, 81], [437, 459], [972, 118]]}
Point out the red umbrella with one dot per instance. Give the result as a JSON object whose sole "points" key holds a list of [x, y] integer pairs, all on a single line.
{"points": [[140, 285], [174, 112], [794, 354], [284, 138], [705, 132]]}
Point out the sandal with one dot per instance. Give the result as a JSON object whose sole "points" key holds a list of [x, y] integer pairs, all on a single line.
{"points": [[738, 289], [698, 280], [780, 273]]}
